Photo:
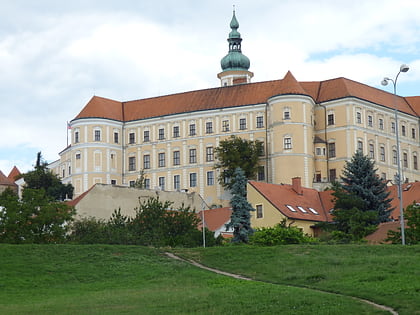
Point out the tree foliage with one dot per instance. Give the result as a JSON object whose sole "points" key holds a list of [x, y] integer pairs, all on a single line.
{"points": [[33, 219], [42, 178], [240, 219], [412, 227], [236, 152], [280, 234], [360, 180]]}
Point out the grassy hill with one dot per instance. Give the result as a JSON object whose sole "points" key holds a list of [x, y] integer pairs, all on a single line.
{"points": [[105, 279]]}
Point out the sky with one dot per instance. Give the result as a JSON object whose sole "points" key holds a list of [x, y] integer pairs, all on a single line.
{"points": [[56, 55]]}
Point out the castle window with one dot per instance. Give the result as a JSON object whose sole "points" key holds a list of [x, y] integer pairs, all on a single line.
{"points": [[225, 125], [331, 149], [192, 130], [193, 179], [286, 114], [333, 174], [261, 173], [177, 182], [381, 124], [209, 154], [176, 132], [370, 121], [242, 123], [132, 163], [146, 161], [176, 158], [358, 117], [287, 143], [162, 183], [161, 133], [131, 138], [97, 135], [209, 127], [371, 151], [405, 159], [210, 178], [161, 159], [259, 209], [330, 119], [415, 166], [393, 127], [146, 136], [403, 130], [394, 157], [360, 146], [260, 122], [413, 133], [147, 183], [193, 155], [382, 153], [76, 137]]}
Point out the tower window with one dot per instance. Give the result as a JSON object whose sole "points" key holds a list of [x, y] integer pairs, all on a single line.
{"points": [[330, 119], [287, 143]]}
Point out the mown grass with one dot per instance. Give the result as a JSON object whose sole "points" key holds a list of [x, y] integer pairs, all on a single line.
{"points": [[104, 279], [388, 275]]}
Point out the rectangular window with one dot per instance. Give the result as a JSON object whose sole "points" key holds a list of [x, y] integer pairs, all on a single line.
{"points": [[403, 130], [131, 163], [330, 119], [116, 137], [146, 136], [132, 183], [161, 159], [413, 133], [415, 166], [381, 124], [259, 209], [162, 183], [78, 156], [176, 132], [113, 182], [177, 182], [131, 138], [209, 154], [192, 130], [261, 173], [260, 122], [331, 149], [193, 155], [97, 135], [393, 127], [360, 146], [370, 121], [225, 125], [320, 151], [176, 158], [147, 183], [146, 161], [333, 174], [382, 154], [193, 179], [358, 117], [209, 127], [405, 159], [287, 143], [394, 157], [371, 151], [286, 114], [161, 133], [242, 123], [76, 137], [210, 178]]}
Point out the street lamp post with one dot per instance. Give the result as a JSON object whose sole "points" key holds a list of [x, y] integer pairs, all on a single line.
{"points": [[385, 81]]}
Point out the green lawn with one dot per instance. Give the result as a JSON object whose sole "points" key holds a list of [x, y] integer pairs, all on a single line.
{"points": [[386, 274], [101, 279]]}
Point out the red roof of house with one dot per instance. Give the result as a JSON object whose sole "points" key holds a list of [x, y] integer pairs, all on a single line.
{"points": [[310, 205], [243, 94], [215, 218], [5, 181], [381, 234], [14, 174], [411, 193]]}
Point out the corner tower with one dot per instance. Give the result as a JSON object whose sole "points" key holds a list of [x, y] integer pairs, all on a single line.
{"points": [[235, 65]]}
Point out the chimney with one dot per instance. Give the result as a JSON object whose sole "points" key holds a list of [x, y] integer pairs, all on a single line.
{"points": [[297, 186]]}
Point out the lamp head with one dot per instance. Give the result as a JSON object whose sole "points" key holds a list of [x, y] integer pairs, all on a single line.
{"points": [[385, 81], [404, 68]]}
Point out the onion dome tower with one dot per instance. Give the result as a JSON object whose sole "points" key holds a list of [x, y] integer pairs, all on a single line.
{"points": [[235, 65]]}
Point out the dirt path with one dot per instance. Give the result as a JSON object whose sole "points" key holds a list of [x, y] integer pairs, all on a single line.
{"points": [[194, 263]]}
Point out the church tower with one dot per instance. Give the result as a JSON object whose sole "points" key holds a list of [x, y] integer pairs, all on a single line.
{"points": [[235, 65]]}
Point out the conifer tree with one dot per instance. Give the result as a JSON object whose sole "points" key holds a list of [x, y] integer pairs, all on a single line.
{"points": [[360, 180], [240, 219]]}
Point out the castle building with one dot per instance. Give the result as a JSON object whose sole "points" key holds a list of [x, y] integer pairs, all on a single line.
{"points": [[309, 130]]}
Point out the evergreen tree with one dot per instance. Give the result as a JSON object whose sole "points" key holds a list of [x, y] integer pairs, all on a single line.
{"points": [[237, 152], [240, 219], [360, 180]]}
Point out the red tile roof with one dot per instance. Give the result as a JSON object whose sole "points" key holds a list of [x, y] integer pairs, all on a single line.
{"points": [[14, 174], [215, 218], [240, 95], [281, 196], [5, 181], [381, 234]]}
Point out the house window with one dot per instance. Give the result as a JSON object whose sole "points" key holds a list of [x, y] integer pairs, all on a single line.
{"points": [[333, 174], [162, 183], [260, 122], [403, 130], [76, 137], [405, 159], [330, 119], [261, 173], [209, 127], [116, 137], [146, 161], [286, 114], [193, 179], [359, 117], [131, 163], [193, 155], [161, 133], [177, 182], [161, 159], [331, 149], [370, 121], [371, 151], [146, 136], [209, 154], [242, 123], [393, 127], [176, 132], [97, 135], [415, 166], [131, 138], [192, 130], [320, 151], [360, 146], [413, 133], [394, 157], [210, 178], [78, 156], [381, 124], [287, 143], [176, 158], [225, 125], [259, 209], [147, 183], [382, 154]]}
